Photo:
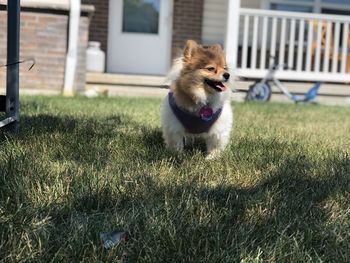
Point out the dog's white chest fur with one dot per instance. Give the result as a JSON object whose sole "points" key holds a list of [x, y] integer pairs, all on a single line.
{"points": [[216, 138], [199, 78]]}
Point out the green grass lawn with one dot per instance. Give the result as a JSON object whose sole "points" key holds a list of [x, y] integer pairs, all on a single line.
{"points": [[279, 193]]}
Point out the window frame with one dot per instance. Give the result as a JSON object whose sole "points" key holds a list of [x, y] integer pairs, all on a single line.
{"points": [[316, 5]]}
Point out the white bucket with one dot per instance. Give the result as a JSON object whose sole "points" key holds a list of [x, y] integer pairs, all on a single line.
{"points": [[95, 57]]}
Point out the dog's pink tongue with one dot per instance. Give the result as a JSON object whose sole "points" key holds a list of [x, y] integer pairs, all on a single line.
{"points": [[220, 86]]}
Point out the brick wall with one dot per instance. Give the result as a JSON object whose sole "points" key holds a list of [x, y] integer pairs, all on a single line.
{"points": [[187, 23], [44, 38], [99, 22]]}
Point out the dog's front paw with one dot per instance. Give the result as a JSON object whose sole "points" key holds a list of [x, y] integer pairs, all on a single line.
{"points": [[175, 145], [213, 155], [173, 141]]}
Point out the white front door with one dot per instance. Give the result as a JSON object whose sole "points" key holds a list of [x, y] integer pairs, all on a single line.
{"points": [[139, 36]]}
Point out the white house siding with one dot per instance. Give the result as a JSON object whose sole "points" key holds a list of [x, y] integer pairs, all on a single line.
{"points": [[251, 4], [215, 16], [214, 21]]}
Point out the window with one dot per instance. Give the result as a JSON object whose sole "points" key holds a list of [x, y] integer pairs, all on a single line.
{"points": [[335, 7], [141, 16], [340, 7], [335, 11], [289, 7], [342, 2]]}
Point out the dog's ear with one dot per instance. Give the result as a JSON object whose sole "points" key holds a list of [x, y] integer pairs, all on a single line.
{"points": [[190, 47], [218, 47]]}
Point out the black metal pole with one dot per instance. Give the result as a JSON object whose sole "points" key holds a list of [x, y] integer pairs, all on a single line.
{"points": [[12, 81]]}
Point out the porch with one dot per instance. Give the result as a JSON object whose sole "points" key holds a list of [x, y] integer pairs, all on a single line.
{"points": [[156, 86], [313, 47]]}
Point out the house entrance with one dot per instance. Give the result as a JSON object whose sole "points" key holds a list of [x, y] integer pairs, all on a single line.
{"points": [[139, 36]]}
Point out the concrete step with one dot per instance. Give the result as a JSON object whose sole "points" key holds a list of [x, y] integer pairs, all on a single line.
{"points": [[157, 86], [161, 81], [125, 79], [129, 91]]}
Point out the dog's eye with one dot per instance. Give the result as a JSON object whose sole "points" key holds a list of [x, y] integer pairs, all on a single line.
{"points": [[210, 68]]}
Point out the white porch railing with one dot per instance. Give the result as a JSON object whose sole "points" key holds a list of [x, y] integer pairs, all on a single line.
{"points": [[315, 47]]}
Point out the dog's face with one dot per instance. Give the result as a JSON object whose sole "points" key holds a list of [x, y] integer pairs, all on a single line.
{"points": [[204, 68]]}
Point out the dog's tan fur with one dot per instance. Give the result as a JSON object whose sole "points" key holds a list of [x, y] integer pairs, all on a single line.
{"points": [[196, 61], [199, 78]]}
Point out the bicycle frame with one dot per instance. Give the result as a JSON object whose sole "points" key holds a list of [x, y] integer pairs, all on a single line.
{"points": [[271, 77]]}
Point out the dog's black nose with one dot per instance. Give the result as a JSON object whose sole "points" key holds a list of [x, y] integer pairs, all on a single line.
{"points": [[226, 75]]}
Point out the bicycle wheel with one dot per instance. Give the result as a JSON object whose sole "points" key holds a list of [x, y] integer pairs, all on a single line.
{"points": [[258, 92]]}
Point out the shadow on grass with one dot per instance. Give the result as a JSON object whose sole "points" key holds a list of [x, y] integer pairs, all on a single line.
{"points": [[282, 216], [83, 138]]}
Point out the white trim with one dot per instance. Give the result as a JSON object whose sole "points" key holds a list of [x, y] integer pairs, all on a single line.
{"points": [[282, 22], [255, 42], [245, 41], [264, 44], [273, 40], [291, 44], [72, 54], [282, 41], [232, 33]]}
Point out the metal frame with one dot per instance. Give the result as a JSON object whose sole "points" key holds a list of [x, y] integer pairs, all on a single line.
{"points": [[10, 102]]}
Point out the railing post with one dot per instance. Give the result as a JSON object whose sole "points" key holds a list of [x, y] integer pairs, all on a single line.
{"points": [[12, 74], [232, 33], [306, 61]]}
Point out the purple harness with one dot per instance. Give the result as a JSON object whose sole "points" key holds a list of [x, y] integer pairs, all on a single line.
{"points": [[193, 123]]}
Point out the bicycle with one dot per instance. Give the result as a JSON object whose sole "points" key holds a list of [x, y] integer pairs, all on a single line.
{"points": [[261, 90]]}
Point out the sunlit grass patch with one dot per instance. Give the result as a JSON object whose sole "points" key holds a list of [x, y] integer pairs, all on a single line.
{"points": [[79, 167]]}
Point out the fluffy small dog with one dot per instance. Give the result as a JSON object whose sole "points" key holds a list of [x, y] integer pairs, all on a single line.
{"points": [[198, 104]]}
